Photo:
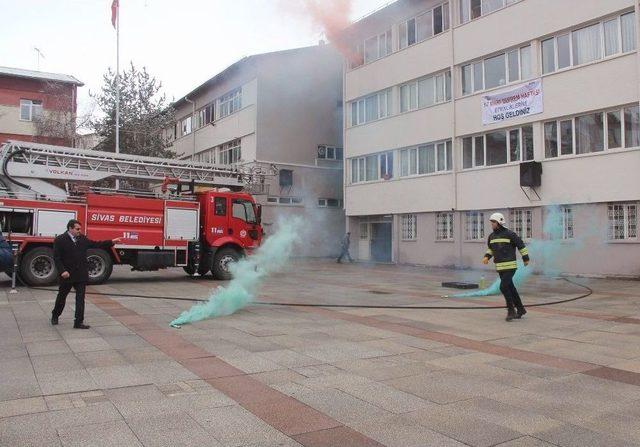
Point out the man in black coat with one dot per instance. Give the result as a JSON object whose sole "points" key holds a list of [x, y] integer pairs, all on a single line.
{"points": [[70, 255]]}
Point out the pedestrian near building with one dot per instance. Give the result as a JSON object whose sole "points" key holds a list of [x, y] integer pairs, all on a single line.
{"points": [[70, 255], [344, 248], [502, 248], [6, 256]]}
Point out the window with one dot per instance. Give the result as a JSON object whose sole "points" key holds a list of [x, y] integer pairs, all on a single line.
{"points": [[474, 226], [594, 132], [371, 108], [230, 153], [523, 223], [590, 43], [329, 153], [30, 110], [567, 222], [207, 156], [243, 209], [364, 169], [497, 70], [409, 227], [425, 92], [295, 201], [444, 226], [623, 221], [472, 9], [498, 147], [427, 24], [364, 231], [426, 159], [230, 103], [386, 165], [220, 206], [186, 126], [329, 203], [377, 47]]}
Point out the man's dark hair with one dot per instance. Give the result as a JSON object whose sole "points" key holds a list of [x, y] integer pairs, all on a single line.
{"points": [[72, 223]]}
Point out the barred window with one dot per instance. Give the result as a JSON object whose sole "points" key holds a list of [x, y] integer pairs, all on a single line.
{"points": [[623, 221], [523, 223], [567, 222], [444, 226], [364, 231], [409, 227], [475, 225]]}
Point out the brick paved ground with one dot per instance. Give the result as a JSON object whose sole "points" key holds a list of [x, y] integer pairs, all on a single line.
{"points": [[567, 375]]}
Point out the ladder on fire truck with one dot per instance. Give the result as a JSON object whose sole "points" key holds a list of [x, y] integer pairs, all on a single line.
{"points": [[27, 166]]}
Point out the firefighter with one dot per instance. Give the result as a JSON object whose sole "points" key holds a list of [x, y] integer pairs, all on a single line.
{"points": [[344, 247], [502, 248]]}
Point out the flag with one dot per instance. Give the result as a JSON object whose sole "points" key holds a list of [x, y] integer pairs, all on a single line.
{"points": [[114, 12]]}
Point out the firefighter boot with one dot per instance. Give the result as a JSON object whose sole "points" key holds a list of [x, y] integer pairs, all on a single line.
{"points": [[520, 312], [511, 314]]}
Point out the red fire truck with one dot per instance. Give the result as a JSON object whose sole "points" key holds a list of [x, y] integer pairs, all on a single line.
{"points": [[203, 230]]}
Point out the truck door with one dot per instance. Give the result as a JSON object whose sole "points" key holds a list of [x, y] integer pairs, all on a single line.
{"points": [[219, 221], [243, 221]]}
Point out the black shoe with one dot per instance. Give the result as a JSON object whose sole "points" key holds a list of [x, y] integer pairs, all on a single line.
{"points": [[81, 326], [520, 312], [54, 320], [511, 314]]}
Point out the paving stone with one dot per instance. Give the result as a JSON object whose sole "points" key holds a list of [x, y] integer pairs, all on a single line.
{"points": [[117, 376], [88, 344], [22, 406], [574, 436], [97, 359], [171, 430], [66, 382], [48, 348], [107, 434], [28, 430], [164, 372], [91, 414], [235, 426]]}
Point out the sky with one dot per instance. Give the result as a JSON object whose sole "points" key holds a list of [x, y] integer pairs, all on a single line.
{"points": [[181, 42]]}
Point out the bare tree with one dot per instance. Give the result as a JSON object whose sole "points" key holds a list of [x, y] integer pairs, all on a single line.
{"points": [[59, 120]]}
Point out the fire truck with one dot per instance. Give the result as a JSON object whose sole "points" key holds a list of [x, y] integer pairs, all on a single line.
{"points": [[197, 216]]}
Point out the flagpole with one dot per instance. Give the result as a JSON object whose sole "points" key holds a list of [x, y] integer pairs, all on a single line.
{"points": [[118, 84]]}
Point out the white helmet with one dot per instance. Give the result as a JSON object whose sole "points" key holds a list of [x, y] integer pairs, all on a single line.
{"points": [[498, 217]]}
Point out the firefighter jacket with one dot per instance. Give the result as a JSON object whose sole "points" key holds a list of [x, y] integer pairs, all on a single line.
{"points": [[502, 247]]}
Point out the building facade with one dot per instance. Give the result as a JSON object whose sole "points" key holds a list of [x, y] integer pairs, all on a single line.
{"points": [[38, 106], [280, 113], [445, 100]]}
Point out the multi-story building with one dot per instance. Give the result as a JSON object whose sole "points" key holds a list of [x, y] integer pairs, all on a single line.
{"points": [[281, 113], [446, 100], [37, 106]]}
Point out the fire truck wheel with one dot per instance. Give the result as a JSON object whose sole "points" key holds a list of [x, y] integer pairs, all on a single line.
{"points": [[100, 265], [38, 268], [223, 258]]}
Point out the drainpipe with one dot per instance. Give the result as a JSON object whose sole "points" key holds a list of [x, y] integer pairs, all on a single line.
{"points": [[193, 129], [454, 18]]}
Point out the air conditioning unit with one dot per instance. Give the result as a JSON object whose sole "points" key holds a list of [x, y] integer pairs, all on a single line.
{"points": [[322, 152]]}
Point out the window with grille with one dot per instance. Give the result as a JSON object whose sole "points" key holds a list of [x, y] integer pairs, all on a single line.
{"points": [[475, 226], [623, 221], [523, 223], [444, 226], [567, 222], [364, 231], [409, 227]]}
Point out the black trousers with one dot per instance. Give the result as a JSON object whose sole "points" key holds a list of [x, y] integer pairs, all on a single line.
{"points": [[61, 299], [343, 253], [508, 289]]}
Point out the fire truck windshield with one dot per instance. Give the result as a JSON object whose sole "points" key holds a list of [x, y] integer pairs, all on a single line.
{"points": [[243, 209]]}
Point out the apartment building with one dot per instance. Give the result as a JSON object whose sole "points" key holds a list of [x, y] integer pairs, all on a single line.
{"points": [[38, 106], [457, 109], [279, 113]]}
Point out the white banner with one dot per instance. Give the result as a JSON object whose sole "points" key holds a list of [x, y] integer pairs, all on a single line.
{"points": [[517, 102]]}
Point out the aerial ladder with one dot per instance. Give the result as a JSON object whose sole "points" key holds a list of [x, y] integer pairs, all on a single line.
{"points": [[28, 169]]}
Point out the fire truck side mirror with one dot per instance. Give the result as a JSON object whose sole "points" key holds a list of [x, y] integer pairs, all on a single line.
{"points": [[259, 216]]}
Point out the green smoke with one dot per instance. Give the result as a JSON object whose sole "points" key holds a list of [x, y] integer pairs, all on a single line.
{"points": [[248, 274], [547, 255]]}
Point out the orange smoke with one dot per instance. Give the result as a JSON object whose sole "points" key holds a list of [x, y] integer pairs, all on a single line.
{"points": [[331, 16]]}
